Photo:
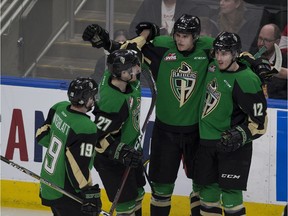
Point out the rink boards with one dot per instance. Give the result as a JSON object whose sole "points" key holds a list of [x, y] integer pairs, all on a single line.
{"points": [[25, 104]]}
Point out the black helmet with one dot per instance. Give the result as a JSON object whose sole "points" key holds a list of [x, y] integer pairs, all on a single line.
{"points": [[81, 89], [121, 60], [188, 24], [229, 42]]}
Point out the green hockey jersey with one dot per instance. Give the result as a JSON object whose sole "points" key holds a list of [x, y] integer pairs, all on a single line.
{"points": [[118, 113], [70, 138], [231, 99], [179, 79]]}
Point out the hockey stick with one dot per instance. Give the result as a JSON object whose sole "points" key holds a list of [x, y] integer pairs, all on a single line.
{"points": [[55, 187], [260, 52], [148, 76]]}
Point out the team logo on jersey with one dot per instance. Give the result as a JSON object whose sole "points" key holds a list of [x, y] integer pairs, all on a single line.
{"points": [[170, 57], [183, 82], [212, 98], [212, 68]]}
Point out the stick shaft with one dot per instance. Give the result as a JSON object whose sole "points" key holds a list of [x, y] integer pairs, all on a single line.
{"points": [[44, 181]]}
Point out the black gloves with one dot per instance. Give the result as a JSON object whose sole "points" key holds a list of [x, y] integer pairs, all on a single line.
{"points": [[154, 29], [232, 139], [261, 67], [97, 36], [91, 200], [125, 154]]}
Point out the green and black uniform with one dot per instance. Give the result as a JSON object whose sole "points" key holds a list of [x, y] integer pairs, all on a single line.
{"points": [[118, 120], [70, 139], [179, 79], [230, 99]]}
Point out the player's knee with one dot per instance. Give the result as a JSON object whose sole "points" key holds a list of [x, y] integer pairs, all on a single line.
{"points": [[210, 200], [126, 208], [232, 201], [210, 193], [163, 189], [232, 198]]}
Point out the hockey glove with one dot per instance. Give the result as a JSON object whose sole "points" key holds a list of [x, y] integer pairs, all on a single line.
{"points": [[97, 36], [125, 155], [91, 200], [261, 67], [232, 139], [154, 29]]}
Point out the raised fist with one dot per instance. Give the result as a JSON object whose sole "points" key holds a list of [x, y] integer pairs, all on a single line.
{"points": [[97, 36], [154, 29]]}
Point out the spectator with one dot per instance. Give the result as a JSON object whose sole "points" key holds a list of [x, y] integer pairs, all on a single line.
{"points": [[239, 17], [208, 27], [284, 40], [277, 86], [119, 36], [164, 13]]}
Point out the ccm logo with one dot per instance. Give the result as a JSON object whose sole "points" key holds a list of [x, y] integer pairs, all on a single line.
{"points": [[230, 176]]}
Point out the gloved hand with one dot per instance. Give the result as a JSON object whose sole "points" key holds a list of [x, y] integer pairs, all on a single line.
{"points": [[154, 29], [231, 140], [97, 36], [261, 67], [91, 200], [125, 155]]}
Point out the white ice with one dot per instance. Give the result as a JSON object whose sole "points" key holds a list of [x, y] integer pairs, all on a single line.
{"points": [[23, 212]]}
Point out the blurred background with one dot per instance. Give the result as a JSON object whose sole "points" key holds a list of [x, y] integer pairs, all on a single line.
{"points": [[43, 38]]}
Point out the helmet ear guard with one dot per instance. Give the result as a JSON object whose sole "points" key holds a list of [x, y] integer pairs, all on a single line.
{"points": [[81, 89], [121, 60]]}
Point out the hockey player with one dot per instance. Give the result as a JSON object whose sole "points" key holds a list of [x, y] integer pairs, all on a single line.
{"points": [[179, 66], [70, 137], [117, 117], [233, 113]]}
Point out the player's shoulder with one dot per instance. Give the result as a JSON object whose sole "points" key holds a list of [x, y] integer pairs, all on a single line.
{"points": [[164, 41], [61, 104], [205, 42], [82, 123], [248, 80]]}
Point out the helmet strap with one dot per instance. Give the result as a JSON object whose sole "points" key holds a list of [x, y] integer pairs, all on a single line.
{"points": [[228, 65]]}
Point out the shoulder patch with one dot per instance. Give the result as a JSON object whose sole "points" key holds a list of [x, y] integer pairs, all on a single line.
{"points": [[212, 68]]}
